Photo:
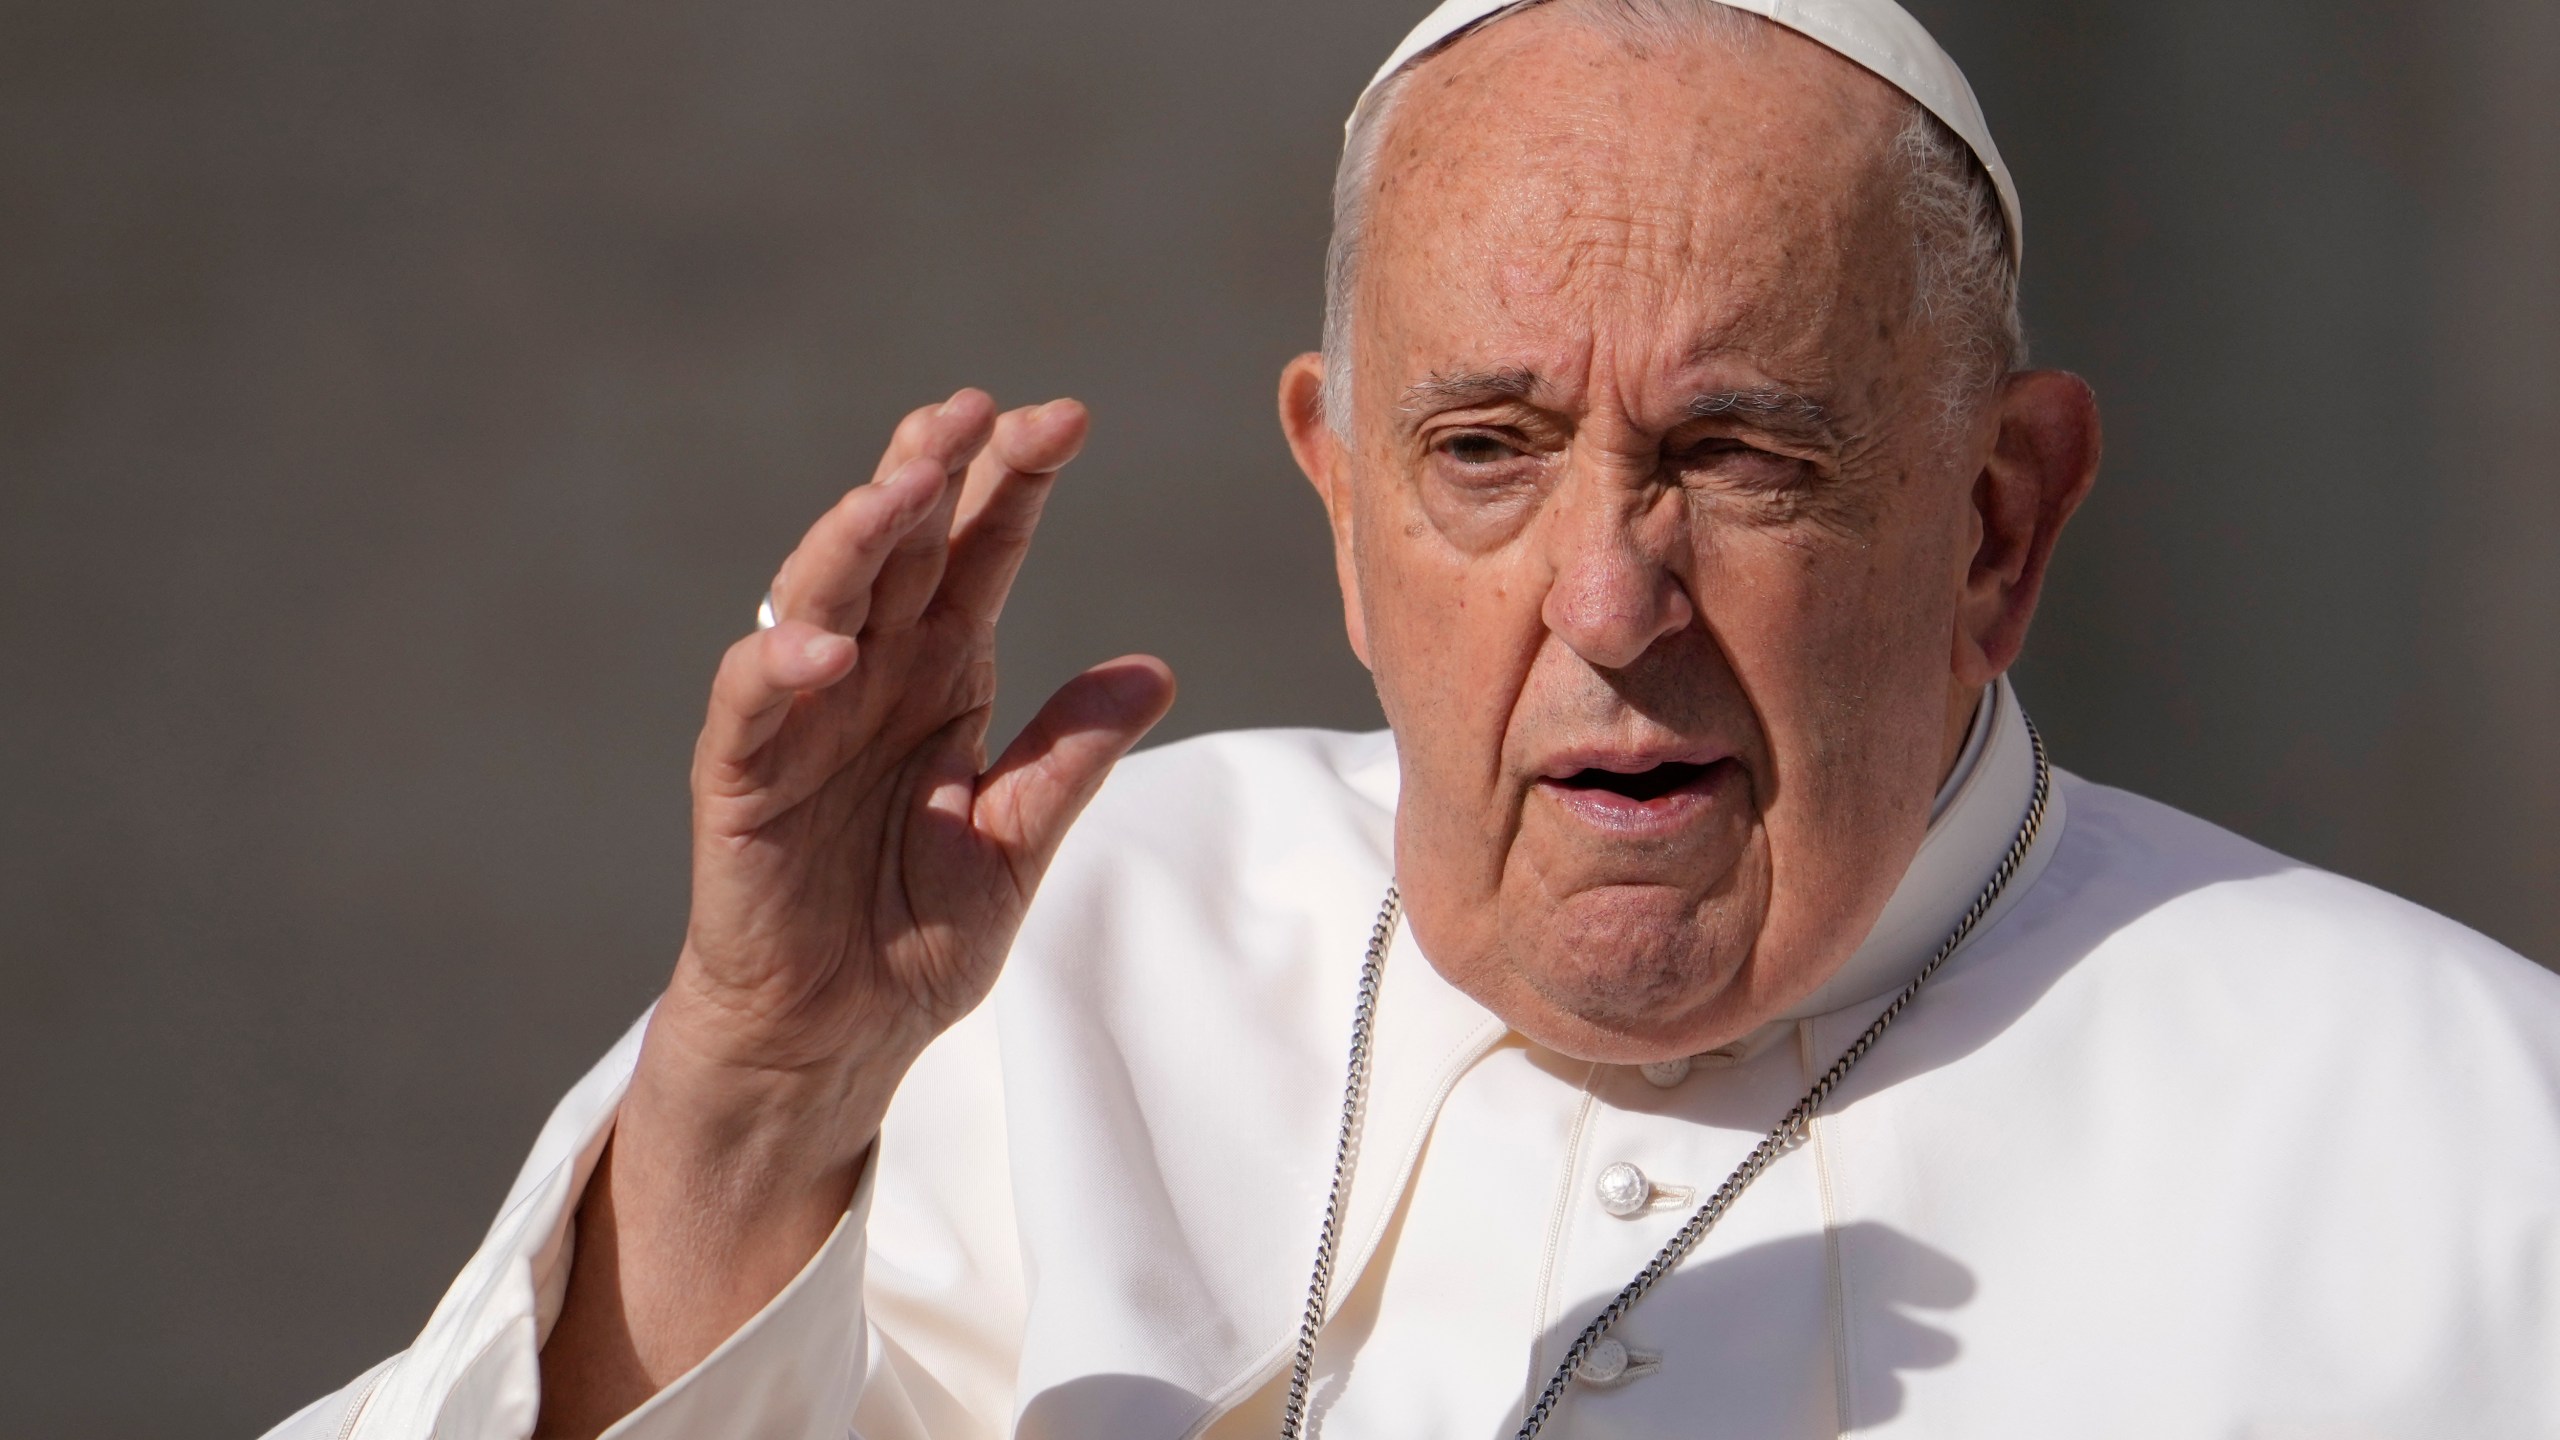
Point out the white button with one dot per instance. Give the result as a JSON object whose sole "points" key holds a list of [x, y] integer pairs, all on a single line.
{"points": [[1624, 1190], [1610, 1363], [1663, 1074], [1605, 1365]]}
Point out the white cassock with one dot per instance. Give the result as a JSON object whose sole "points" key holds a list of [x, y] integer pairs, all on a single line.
{"points": [[2188, 1140]]}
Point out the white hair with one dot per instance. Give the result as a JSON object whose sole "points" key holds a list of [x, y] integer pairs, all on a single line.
{"points": [[1965, 280]]}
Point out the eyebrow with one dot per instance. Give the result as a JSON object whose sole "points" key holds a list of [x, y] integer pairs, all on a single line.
{"points": [[1772, 407], [1468, 387]]}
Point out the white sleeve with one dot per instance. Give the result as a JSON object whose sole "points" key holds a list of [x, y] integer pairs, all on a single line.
{"points": [[810, 1364]]}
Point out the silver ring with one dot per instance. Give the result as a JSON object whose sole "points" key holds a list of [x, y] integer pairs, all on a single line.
{"points": [[764, 612]]}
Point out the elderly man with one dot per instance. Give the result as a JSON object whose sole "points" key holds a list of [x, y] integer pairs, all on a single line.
{"points": [[1705, 1012]]}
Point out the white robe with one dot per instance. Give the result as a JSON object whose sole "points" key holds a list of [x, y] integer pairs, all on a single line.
{"points": [[2188, 1140]]}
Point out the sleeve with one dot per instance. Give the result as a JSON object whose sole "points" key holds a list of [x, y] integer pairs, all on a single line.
{"points": [[815, 1362]]}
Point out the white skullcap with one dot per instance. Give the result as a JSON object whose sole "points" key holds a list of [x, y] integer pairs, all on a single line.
{"points": [[1878, 34]]}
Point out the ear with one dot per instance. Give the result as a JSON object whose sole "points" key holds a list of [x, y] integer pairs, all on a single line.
{"points": [[2044, 457], [1324, 457]]}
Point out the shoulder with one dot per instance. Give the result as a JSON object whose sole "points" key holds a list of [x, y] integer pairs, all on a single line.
{"points": [[2171, 991], [1240, 841], [2250, 892], [1172, 942], [2198, 1067], [2163, 903]]}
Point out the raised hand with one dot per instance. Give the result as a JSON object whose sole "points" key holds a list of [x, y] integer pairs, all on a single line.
{"points": [[859, 871], [858, 868]]}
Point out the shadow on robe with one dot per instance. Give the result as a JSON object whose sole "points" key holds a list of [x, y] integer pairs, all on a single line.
{"points": [[1720, 1374]]}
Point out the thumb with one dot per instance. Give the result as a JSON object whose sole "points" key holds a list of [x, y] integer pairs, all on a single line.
{"points": [[1041, 782]]}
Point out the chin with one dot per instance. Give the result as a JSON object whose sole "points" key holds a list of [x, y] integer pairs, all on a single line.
{"points": [[1626, 976]]}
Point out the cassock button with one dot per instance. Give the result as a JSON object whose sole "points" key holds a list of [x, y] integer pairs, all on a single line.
{"points": [[1624, 1190], [1605, 1365], [1609, 1363], [1663, 1074]]}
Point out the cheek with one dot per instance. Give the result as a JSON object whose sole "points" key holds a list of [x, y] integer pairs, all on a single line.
{"points": [[1823, 597], [1452, 639], [1443, 626], [1841, 646]]}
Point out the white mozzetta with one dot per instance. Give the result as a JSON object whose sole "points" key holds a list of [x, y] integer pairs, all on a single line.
{"points": [[2189, 1140]]}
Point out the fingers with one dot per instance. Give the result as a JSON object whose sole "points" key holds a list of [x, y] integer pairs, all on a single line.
{"points": [[913, 538], [828, 581], [1040, 784], [833, 579], [923, 426], [913, 571], [751, 696], [1000, 503]]}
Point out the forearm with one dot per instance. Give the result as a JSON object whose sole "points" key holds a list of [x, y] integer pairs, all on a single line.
{"points": [[715, 1190]]}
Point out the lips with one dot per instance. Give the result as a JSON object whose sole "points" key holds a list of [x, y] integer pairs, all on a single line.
{"points": [[1651, 783], [1638, 794]]}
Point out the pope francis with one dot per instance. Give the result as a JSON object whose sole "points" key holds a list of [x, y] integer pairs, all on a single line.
{"points": [[1703, 1012]]}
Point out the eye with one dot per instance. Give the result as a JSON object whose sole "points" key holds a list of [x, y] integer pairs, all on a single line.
{"points": [[1712, 449], [1725, 460], [1475, 447]]}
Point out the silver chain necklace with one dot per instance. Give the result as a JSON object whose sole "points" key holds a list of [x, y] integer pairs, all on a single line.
{"points": [[1789, 1132]]}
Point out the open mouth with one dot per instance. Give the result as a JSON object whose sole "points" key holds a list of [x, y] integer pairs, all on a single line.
{"points": [[1647, 784]]}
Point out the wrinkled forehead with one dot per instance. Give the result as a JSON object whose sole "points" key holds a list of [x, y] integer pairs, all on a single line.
{"points": [[1544, 184]]}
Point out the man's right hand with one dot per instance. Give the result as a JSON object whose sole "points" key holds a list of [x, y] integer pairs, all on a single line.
{"points": [[859, 871]]}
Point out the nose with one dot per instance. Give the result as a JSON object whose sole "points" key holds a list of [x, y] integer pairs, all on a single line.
{"points": [[1615, 590]]}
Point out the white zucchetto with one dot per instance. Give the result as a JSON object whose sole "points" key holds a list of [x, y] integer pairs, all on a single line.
{"points": [[1878, 34]]}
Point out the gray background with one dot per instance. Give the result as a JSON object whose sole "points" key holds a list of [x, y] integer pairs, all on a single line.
{"points": [[402, 401]]}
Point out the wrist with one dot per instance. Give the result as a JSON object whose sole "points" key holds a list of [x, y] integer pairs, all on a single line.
{"points": [[707, 1203], [745, 1125]]}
